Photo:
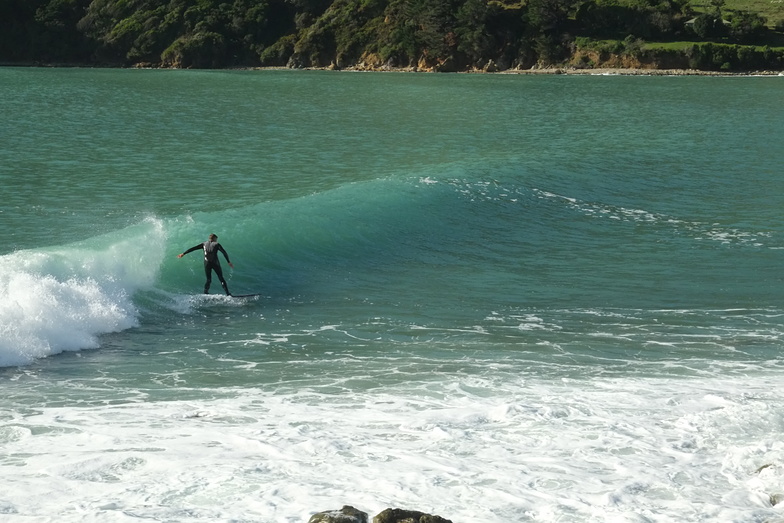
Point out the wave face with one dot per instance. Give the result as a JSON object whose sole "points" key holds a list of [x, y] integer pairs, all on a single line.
{"points": [[494, 245]]}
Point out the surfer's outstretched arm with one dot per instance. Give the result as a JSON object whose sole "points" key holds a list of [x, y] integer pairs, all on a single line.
{"points": [[195, 247]]}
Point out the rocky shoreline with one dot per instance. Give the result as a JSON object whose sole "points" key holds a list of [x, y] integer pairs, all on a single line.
{"points": [[645, 72], [582, 63], [555, 70], [578, 71], [563, 70], [605, 71]]}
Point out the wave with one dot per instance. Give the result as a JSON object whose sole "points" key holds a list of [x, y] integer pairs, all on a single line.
{"points": [[466, 234], [63, 298]]}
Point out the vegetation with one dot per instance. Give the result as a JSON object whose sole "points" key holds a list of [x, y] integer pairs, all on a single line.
{"points": [[441, 35]]}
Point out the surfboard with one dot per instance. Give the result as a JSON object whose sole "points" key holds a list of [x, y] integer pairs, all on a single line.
{"points": [[245, 295]]}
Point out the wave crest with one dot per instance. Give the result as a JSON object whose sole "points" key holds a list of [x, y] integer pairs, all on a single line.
{"points": [[59, 299]]}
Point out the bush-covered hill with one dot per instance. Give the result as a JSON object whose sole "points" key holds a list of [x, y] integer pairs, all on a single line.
{"points": [[441, 35]]}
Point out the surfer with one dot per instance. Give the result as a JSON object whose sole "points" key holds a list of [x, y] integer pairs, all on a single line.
{"points": [[211, 262]]}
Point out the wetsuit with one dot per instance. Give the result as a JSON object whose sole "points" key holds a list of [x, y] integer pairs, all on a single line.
{"points": [[211, 263]]}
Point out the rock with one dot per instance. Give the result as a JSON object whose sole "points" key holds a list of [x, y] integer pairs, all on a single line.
{"points": [[347, 514], [763, 467], [491, 67], [295, 62], [397, 515], [447, 65]]}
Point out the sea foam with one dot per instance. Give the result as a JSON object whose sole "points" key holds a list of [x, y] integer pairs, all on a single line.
{"points": [[476, 449], [60, 299]]}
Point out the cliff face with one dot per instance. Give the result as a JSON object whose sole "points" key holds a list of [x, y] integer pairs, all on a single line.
{"points": [[587, 59]]}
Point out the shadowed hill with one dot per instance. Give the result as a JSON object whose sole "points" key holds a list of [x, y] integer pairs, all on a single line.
{"points": [[431, 35]]}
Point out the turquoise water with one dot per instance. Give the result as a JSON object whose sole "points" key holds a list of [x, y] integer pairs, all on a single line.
{"points": [[489, 297]]}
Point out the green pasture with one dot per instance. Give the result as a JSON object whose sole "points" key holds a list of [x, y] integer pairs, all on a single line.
{"points": [[773, 10]]}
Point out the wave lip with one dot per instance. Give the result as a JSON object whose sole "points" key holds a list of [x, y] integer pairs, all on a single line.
{"points": [[61, 299]]}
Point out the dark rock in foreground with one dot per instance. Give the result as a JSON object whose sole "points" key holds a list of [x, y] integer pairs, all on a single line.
{"points": [[396, 515], [349, 514]]}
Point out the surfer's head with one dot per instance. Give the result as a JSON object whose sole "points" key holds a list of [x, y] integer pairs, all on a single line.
{"points": [[213, 237]]}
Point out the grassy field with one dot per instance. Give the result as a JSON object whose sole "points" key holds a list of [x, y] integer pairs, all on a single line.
{"points": [[773, 10]]}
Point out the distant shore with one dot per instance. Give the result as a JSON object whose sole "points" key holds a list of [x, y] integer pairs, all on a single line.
{"points": [[599, 71], [563, 70], [643, 72]]}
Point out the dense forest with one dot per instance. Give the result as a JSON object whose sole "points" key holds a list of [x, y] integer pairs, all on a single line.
{"points": [[434, 35]]}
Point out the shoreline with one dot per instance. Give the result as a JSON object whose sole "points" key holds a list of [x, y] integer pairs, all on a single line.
{"points": [[598, 71], [646, 72], [565, 71]]}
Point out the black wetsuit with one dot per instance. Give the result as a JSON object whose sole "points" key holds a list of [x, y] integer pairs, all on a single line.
{"points": [[211, 263]]}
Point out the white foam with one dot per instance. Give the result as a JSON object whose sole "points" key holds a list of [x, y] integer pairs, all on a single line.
{"points": [[699, 230], [54, 300], [478, 449]]}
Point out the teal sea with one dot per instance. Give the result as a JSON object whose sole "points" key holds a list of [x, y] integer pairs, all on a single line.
{"points": [[495, 298]]}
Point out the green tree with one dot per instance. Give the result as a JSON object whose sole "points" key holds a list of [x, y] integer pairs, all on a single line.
{"points": [[747, 27], [416, 30], [56, 37], [128, 31], [548, 22], [717, 6], [340, 35], [618, 18], [227, 32], [472, 31], [203, 49], [708, 26]]}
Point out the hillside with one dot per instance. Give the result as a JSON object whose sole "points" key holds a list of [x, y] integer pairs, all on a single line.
{"points": [[432, 35]]}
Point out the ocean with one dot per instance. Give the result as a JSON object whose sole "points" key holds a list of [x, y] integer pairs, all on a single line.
{"points": [[494, 298]]}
